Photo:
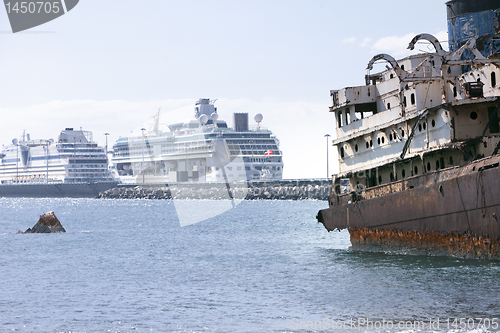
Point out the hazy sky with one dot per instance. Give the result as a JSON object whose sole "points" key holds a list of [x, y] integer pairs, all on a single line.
{"points": [[108, 66]]}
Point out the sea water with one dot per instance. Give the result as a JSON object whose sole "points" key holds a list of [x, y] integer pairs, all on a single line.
{"points": [[262, 266]]}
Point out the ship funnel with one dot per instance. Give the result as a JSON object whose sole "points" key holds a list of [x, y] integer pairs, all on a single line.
{"points": [[241, 122]]}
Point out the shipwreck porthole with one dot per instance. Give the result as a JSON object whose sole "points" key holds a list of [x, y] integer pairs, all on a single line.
{"points": [[441, 190], [424, 126], [356, 147], [390, 136], [403, 173], [415, 169], [367, 145], [428, 166], [433, 123], [473, 115]]}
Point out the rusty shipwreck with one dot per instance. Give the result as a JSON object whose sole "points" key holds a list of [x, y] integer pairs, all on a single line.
{"points": [[418, 145]]}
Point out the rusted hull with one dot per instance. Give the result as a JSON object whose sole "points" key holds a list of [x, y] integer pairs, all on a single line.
{"points": [[459, 215], [465, 245]]}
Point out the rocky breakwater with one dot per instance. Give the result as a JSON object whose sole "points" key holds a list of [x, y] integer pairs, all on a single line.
{"points": [[48, 223], [281, 190]]}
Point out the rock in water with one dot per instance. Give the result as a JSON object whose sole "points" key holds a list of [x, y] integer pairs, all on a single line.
{"points": [[47, 223]]}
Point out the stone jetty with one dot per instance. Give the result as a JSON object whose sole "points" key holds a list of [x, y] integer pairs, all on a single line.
{"points": [[48, 223], [280, 190]]}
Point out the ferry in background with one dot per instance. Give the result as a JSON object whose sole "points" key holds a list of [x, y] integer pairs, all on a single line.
{"points": [[72, 166], [203, 149]]}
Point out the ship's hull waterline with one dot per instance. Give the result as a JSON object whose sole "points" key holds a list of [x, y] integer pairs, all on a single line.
{"points": [[455, 211], [63, 190]]}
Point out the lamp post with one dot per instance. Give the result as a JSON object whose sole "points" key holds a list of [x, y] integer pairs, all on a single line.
{"points": [[186, 162], [106, 134], [47, 171], [144, 143], [327, 171], [17, 164]]}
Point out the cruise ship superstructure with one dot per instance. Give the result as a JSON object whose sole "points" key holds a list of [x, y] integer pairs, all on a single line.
{"points": [[202, 149], [418, 144], [73, 166]]}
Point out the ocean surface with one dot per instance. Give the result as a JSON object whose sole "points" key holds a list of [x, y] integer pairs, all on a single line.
{"points": [[262, 266]]}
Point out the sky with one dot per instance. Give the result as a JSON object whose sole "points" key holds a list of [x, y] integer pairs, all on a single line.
{"points": [[109, 66]]}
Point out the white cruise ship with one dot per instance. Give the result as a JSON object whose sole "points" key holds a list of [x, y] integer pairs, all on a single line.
{"points": [[201, 150], [72, 166]]}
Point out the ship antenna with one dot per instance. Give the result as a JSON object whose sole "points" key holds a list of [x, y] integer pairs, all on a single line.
{"points": [[156, 127]]}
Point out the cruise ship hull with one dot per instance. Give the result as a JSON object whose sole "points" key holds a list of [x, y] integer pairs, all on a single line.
{"points": [[61, 190], [454, 211]]}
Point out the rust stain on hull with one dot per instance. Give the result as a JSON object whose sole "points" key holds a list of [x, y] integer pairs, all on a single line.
{"points": [[450, 243], [454, 212]]}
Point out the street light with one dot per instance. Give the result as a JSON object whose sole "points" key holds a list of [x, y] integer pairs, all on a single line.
{"points": [[47, 171], [327, 171], [106, 134], [144, 143]]}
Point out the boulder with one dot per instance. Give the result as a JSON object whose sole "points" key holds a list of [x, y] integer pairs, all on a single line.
{"points": [[48, 223]]}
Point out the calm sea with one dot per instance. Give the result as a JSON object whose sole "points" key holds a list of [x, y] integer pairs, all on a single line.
{"points": [[263, 266]]}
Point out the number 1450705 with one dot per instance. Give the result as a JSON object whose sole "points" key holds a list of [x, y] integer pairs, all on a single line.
{"points": [[33, 7]]}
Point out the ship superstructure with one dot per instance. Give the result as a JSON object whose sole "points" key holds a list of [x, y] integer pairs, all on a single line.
{"points": [[418, 116], [202, 149], [418, 144], [72, 166]]}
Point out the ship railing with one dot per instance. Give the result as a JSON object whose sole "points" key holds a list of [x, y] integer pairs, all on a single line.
{"points": [[89, 180], [31, 181], [257, 128]]}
